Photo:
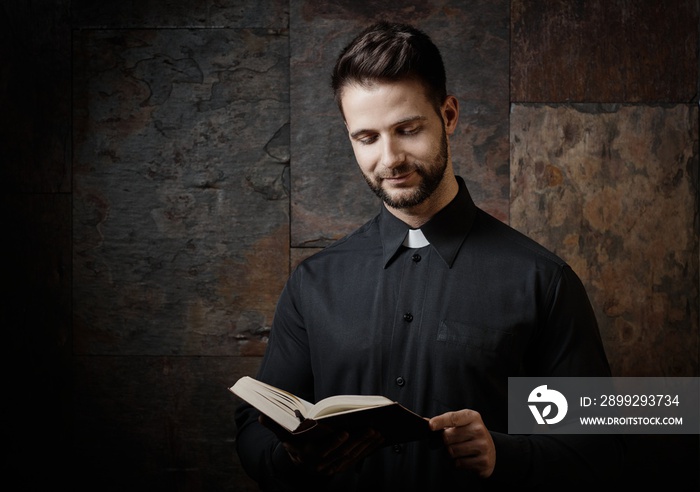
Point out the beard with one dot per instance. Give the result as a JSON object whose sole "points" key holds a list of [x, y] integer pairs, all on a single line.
{"points": [[431, 174]]}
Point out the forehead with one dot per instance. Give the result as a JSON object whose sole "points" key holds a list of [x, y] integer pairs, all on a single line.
{"points": [[383, 103]]}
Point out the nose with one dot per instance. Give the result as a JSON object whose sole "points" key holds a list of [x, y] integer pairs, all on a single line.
{"points": [[392, 153]]}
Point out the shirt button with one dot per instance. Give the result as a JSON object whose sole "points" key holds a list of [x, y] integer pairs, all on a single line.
{"points": [[400, 381], [408, 317], [416, 257]]}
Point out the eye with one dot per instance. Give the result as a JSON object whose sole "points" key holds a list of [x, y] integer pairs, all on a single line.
{"points": [[411, 130], [367, 139]]}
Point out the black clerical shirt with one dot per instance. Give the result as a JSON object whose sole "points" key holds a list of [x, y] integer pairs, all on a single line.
{"points": [[438, 328]]}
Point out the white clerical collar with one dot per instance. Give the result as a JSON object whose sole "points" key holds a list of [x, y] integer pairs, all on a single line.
{"points": [[415, 239]]}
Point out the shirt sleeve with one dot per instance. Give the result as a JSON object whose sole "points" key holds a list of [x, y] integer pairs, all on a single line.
{"points": [[285, 365], [568, 342], [567, 345]]}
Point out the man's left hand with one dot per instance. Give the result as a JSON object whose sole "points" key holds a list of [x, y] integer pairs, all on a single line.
{"points": [[468, 440]]}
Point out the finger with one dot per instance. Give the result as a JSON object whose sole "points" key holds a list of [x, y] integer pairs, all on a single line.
{"points": [[476, 431], [466, 449], [335, 443], [364, 445], [454, 419], [479, 464], [311, 452], [477, 455], [354, 450]]}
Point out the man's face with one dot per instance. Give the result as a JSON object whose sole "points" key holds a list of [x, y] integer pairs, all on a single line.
{"points": [[399, 140]]}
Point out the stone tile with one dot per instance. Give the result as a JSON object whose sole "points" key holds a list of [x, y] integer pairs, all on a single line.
{"points": [[35, 97], [157, 423], [181, 13], [181, 195], [613, 190], [300, 254], [329, 196], [612, 51]]}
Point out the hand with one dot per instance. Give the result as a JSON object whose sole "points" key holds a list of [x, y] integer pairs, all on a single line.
{"points": [[468, 440], [330, 451]]}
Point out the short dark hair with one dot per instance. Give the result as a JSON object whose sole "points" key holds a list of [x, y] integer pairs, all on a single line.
{"points": [[390, 52]]}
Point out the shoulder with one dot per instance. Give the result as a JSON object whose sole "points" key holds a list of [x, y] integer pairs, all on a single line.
{"points": [[360, 244], [502, 238]]}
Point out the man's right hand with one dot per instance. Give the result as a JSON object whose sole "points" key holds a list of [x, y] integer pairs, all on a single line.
{"points": [[330, 451]]}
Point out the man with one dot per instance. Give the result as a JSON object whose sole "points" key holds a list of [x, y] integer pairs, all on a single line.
{"points": [[432, 303]]}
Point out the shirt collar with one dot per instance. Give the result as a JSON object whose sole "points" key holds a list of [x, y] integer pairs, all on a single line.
{"points": [[446, 231]]}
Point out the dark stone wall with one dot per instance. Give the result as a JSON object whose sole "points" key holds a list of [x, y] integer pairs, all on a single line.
{"points": [[165, 164]]}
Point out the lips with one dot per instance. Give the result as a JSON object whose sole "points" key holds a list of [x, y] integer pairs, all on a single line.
{"points": [[400, 179]]}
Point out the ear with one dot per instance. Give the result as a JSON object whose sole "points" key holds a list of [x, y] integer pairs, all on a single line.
{"points": [[450, 114]]}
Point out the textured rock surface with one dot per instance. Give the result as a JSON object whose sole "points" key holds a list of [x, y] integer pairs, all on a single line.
{"points": [[613, 51], [614, 192], [180, 204]]}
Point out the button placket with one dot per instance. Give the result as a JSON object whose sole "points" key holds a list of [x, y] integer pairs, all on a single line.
{"points": [[407, 320]]}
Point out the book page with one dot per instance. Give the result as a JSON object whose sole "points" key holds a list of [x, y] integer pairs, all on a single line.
{"points": [[334, 405], [277, 404]]}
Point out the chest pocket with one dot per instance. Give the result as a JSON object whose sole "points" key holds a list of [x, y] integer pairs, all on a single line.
{"points": [[477, 357], [483, 339]]}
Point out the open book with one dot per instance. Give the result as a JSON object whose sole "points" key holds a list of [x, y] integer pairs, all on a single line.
{"points": [[344, 412]]}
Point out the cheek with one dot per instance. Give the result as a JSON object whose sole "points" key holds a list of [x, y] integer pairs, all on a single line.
{"points": [[429, 150], [365, 159]]}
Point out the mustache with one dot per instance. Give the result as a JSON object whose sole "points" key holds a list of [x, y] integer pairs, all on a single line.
{"points": [[400, 171]]}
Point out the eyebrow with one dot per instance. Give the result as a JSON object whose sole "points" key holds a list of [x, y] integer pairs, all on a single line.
{"points": [[409, 119]]}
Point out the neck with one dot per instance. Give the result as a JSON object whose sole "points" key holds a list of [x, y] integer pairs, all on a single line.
{"points": [[416, 216]]}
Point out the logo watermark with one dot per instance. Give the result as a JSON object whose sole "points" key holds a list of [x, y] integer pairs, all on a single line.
{"points": [[652, 405], [542, 394]]}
